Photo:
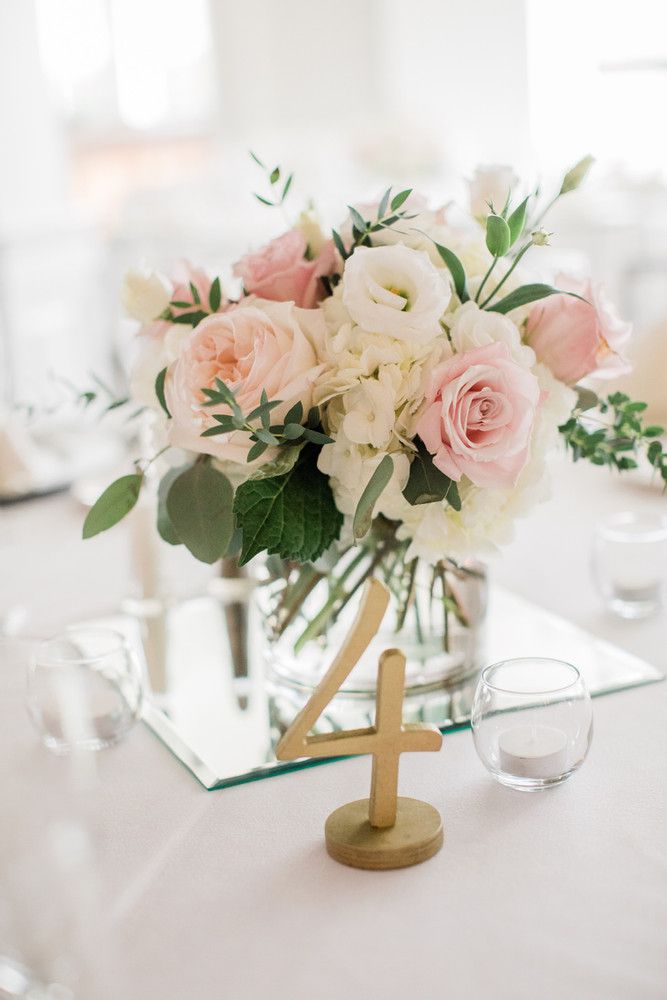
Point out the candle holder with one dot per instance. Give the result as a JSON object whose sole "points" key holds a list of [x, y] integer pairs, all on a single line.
{"points": [[532, 722]]}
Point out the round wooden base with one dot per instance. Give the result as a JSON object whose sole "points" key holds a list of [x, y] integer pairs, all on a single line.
{"points": [[415, 837]]}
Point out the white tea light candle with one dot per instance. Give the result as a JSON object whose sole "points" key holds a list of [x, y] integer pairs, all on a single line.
{"points": [[533, 751]]}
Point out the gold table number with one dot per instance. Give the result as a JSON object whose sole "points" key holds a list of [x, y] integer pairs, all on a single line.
{"points": [[384, 831]]}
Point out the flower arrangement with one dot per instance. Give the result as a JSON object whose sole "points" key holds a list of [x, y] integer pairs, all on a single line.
{"points": [[391, 390]]}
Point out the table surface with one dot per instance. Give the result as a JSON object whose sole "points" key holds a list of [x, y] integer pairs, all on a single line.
{"points": [[183, 894]]}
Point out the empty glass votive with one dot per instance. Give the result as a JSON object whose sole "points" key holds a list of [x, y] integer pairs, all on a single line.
{"points": [[630, 563]]}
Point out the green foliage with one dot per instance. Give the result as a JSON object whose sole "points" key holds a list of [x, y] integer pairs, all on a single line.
{"points": [[159, 391], [456, 270], [427, 484], [267, 435], [165, 528], [389, 212], [277, 192], [292, 516], [618, 441], [498, 236], [371, 494], [517, 221], [525, 295], [199, 505], [111, 507]]}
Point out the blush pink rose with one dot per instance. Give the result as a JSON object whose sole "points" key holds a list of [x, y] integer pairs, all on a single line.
{"points": [[575, 338], [280, 271], [181, 276], [479, 416], [254, 347]]}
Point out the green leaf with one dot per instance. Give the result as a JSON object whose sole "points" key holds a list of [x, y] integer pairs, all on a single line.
{"points": [[586, 398], [293, 431], [517, 220], [427, 484], [265, 201], [357, 219], [317, 437], [653, 431], [655, 453], [288, 184], [274, 176], [111, 507], [265, 436], [257, 159], [293, 516], [180, 305], [340, 246], [199, 505], [195, 294], [295, 414], [190, 318], [497, 235], [215, 296], [523, 296], [263, 409], [256, 451], [363, 515], [165, 528], [456, 270], [399, 198], [384, 202], [159, 391]]}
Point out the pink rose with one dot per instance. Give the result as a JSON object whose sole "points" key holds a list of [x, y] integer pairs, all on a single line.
{"points": [[251, 347], [280, 271], [575, 338], [479, 416]]}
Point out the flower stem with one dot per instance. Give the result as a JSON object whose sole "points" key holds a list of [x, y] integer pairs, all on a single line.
{"points": [[500, 284], [486, 277]]}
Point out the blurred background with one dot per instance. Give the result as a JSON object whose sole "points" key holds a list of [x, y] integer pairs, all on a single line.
{"points": [[126, 127]]}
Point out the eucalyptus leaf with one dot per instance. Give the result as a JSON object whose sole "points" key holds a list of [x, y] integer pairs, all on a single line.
{"points": [[363, 515], [357, 219], [586, 398], [200, 508], [111, 507], [384, 202], [400, 198], [280, 465], [165, 528]]}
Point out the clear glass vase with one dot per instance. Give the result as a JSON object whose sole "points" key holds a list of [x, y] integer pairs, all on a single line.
{"points": [[436, 617]]}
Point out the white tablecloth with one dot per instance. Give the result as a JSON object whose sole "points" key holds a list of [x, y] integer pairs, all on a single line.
{"points": [[195, 895]]}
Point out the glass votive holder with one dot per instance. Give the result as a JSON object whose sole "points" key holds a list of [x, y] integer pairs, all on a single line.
{"points": [[532, 721], [630, 563], [84, 689]]}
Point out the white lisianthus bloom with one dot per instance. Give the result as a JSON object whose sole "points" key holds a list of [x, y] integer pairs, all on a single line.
{"points": [[474, 327], [145, 294], [395, 291], [490, 185]]}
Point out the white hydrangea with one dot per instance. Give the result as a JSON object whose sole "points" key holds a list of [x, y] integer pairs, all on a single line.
{"points": [[350, 467]]}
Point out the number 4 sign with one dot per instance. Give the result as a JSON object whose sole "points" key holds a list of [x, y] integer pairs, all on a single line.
{"points": [[384, 831]]}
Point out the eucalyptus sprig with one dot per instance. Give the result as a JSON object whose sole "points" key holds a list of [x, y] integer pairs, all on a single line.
{"points": [[265, 435], [617, 441], [388, 214], [279, 187], [196, 310]]}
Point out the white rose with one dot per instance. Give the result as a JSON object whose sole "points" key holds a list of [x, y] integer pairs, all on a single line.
{"points": [[490, 185], [145, 294], [395, 291]]}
